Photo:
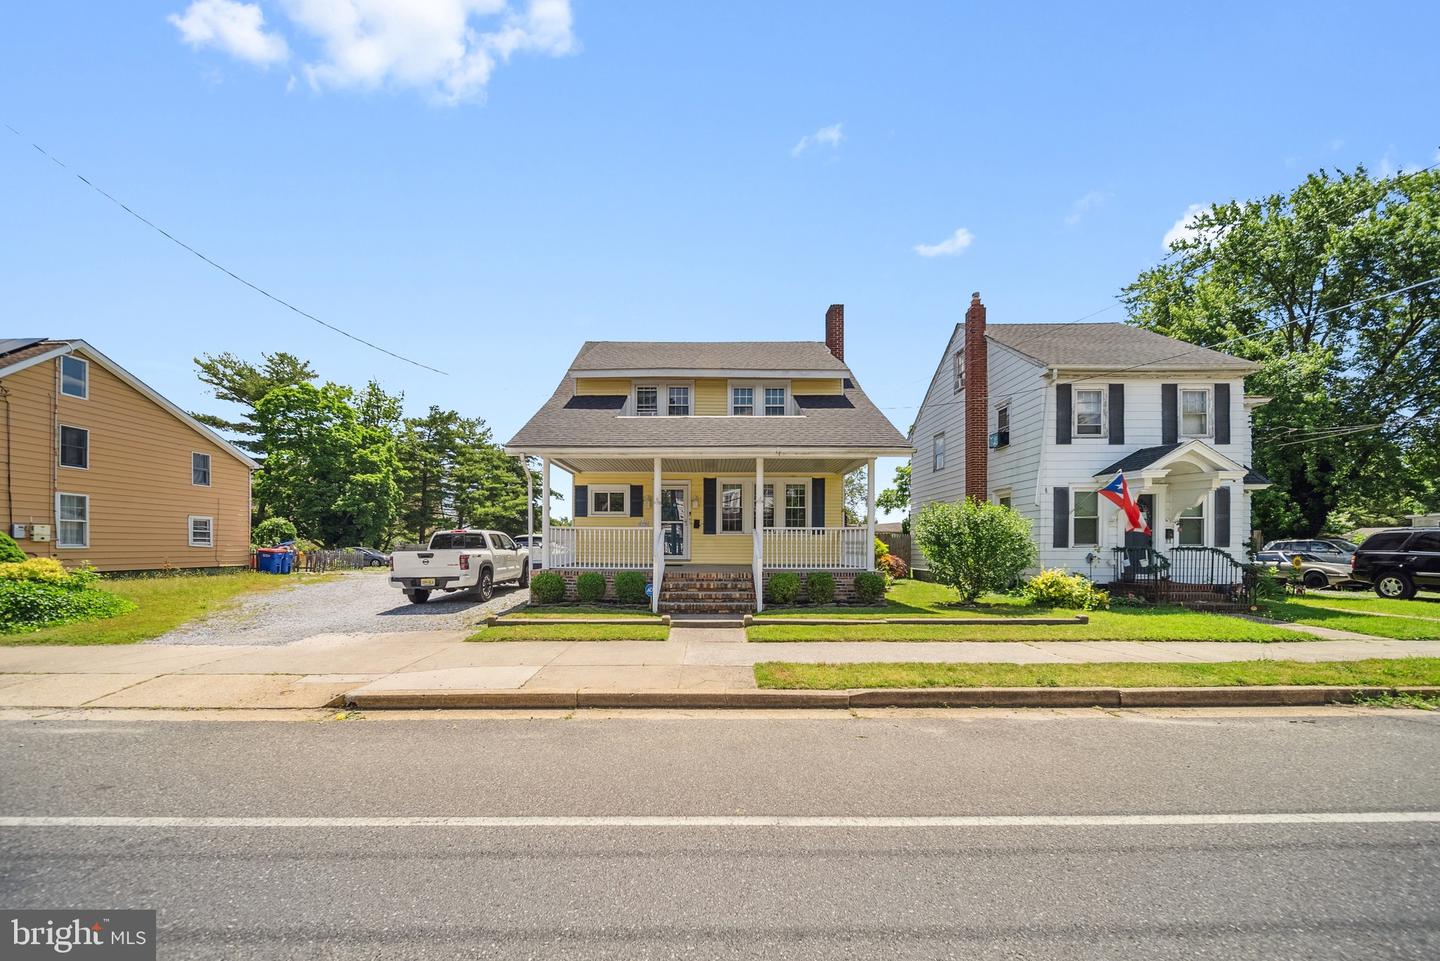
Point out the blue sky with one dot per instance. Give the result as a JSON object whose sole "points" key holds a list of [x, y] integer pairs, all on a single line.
{"points": [[485, 188]]}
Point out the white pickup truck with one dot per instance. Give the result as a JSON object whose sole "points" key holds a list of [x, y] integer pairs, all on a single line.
{"points": [[460, 560]]}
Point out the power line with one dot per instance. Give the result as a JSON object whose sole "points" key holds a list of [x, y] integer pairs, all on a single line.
{"points": [[218, 266]]}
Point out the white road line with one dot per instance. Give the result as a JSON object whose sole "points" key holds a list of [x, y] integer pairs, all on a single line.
{"points": [[727, 821]]}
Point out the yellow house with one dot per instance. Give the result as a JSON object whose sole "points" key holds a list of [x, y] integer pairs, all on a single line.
{"points": [[99, 469], [710, 465]]}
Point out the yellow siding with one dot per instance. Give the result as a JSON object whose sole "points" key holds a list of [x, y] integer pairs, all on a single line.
{"points": [[138, 480], [704, 548], [710, 400], [829, 385], [602, 386]]}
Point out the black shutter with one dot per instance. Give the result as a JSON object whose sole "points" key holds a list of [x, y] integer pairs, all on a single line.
{"points": [[1222, 517], [1222, 413], [1169, 413], [711, 510], [1064, 397], [582, 500], [817, 502], [637, 500], [1061, 520], [1117, 413]]}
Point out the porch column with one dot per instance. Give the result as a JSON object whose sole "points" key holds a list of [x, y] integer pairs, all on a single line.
{"points": [[545, 510], [870, 514], [758, 527], [529, 512], [657, 571]]}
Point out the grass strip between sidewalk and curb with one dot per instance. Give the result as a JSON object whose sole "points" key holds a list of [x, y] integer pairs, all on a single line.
{"points": [[162, 604], [571, 632], [1126, 624], [1373, 672], [1300, 611]]}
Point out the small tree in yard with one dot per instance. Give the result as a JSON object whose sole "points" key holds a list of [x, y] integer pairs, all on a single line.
{"points": [[974, 546]]}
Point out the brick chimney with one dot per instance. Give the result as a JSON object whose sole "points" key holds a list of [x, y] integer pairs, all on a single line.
{"points": [[835, 331], [977, 402]]}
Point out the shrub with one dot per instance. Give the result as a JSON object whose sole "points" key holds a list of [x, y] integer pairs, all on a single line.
{"points": [[1056, 588], [974, 546], [547, 587], [820, 587], [44, 569], [38, 598], [869, 587], [10, 552], [785, 587], [630, 587], [894, 566], [272, 531], [1268, 585], [882, 551], [590, 587]]}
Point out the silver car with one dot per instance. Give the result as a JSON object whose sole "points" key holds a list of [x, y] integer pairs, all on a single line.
{"points": [[1316, 572]]}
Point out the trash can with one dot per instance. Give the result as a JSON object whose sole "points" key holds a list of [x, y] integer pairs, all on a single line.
{"points": [[268, 560], [286, 560]]}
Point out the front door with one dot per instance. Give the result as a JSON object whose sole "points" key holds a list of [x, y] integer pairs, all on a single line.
{"points": [[675, 520]]}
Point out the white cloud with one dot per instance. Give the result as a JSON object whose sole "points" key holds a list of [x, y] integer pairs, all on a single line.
{"points": [[236, 28], [830, 136], [949, 247], [449, 48], [1184, 229], [1084, 205]]}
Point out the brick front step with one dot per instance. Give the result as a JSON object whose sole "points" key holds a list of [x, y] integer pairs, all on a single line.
{"points": [[689, 607], [722, 596]]}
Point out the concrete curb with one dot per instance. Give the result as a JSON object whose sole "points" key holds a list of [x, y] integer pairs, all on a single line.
{"points": [[502, 620], [1007, 697], [762, 621]]}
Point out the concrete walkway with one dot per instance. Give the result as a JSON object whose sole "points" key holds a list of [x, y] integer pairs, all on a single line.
{"points": [[320, 670]]}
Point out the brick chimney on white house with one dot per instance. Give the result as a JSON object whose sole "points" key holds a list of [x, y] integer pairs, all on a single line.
{"points": [[977, 402], [835, 331]]}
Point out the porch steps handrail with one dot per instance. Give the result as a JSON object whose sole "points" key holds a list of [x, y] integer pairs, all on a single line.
{"points": [[600, 548], [816, 548]]}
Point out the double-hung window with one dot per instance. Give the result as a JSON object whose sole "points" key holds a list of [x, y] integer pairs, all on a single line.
{"points": [[74, 447], [200, 469], [1192, 526], [732, 508], [1089, 413], [608, 500], [795, 505], [1195, 413], [938, 456], [647, 401], [679, 402], [74, 377], [775, 402], [742, 401], [72, 520], [1086, 516], [202, 531], [959, 371]]}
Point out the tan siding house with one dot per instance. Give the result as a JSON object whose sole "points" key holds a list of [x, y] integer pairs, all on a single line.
{"points": [[99, 469]]}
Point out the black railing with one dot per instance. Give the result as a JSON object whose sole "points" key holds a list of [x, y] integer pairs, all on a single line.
{"points": [[1197, 576]]}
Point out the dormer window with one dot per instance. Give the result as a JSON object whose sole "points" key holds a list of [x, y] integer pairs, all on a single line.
{"points": [[759, 399], [679, 405], [775, 402], [742, 401], [647, 401]]}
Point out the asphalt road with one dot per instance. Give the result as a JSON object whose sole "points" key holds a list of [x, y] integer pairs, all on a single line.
{"points": [[355, 602], [321, 889]]}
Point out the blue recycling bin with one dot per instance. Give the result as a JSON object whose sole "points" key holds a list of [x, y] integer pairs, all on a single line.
{"points": [[270, 561], [286, 562]]}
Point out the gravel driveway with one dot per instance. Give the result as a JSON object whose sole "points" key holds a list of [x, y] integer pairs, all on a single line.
{"points": [[357, 602]]}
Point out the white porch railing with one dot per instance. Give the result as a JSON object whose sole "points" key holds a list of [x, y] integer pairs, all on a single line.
{"points": [[600, 548], [817, 548]]}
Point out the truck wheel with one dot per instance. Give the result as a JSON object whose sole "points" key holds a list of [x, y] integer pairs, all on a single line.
{"points": [[418, 597], [1316, 581], [485, 587], [525, 575], [1395, 585]]}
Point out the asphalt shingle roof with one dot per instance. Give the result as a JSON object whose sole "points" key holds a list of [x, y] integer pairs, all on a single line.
{"points": [[601, 355], [18, 349], [1145, 456], [1111, 346]]}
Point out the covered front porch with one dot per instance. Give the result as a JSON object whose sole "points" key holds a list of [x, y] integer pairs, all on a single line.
{"points": [[743, 515]]}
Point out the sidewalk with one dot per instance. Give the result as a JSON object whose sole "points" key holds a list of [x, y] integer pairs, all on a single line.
{"points": [[324, 669]]}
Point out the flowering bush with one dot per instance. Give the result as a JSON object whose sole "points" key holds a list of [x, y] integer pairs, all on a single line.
{"points": [[1056, 588]]}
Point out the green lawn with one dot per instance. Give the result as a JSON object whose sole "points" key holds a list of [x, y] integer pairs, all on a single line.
{"points": [[1305, 610], [911, 598], [163, 604], [583, 610], [572, 632], [1376, 672], [1419, 607]]}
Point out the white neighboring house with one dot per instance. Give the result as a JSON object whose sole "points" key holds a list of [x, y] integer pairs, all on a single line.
{"points": [[1041, 416]]}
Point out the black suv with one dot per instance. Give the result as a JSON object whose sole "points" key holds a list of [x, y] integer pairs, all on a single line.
{"points": [[1398, 562]]}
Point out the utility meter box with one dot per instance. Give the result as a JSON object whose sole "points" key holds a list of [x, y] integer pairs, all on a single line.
{"points": [[17, 531], [39, 532]]}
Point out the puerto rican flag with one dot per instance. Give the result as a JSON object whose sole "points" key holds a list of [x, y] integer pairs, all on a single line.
{"points": [[1118, 493]]}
